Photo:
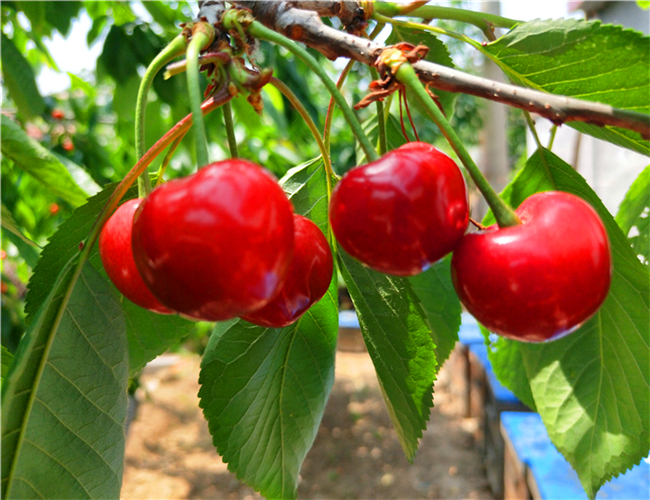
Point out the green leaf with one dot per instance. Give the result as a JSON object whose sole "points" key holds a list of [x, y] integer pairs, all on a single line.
{"points": [[634, 211], [37, 161], [592, 388], [263, 393], [64, 399], [394, 136], [306, 187], [441, 305], [10, 225], [438, 54], [19, 78], [6, 359], [585, 60], [399, 342], [148, 334]]}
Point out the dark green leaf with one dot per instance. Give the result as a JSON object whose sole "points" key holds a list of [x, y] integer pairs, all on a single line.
{"points": [[19, 78], [61, 14], [263, 392], [592, 387], [117, 58], [6, 359], [582, 59], [37, 161], [64, 398], [399, 342], [441, 305], [438, 54], [148, 334], [635, 212]]}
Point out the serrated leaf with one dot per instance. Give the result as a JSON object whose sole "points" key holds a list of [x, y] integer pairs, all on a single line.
{"points": [[585, 60], [64, 398], [592, 388], [30, 156], [438, 54], [263, 393], [148, 334], [634, 211], [19, 79], [399, 342], [441, 305]]}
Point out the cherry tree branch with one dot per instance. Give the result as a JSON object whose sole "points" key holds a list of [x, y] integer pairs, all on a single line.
{"points": [[306, 26]]}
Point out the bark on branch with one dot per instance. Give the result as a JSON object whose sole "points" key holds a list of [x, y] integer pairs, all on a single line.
{"points": [[305, 26]]}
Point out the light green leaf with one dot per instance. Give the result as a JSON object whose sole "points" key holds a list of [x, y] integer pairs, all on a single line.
{"points": [[399, 342], [306, 187], [64, 399], [438, 54], [635, 212], [148, 334], [19, 79], [77, 83], [263, 393], [10, 225], [37, 161], [586, 60], [592, 388], [441, 305]]}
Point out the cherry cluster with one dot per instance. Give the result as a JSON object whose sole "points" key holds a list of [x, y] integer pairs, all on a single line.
{"points": [[224, 243], [533, 282], [218, 244]]}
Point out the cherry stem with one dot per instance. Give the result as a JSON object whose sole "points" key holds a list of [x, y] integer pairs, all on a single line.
{"points": [[330, 108], [167, 158], [175, 48], [200, 40], [329, 173], [477, 224], [261, 32], [381, 120], [504, 215], [230, 129]]}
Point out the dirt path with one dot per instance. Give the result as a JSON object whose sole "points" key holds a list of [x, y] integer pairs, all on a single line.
{"points": [[169, 453]]}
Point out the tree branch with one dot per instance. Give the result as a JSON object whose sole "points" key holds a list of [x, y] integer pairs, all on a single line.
{"points": [[306, 27]]}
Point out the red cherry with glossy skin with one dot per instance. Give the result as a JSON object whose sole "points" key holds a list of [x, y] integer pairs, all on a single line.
{"points": [[310, 275], [539, 280], [117, 258], [403, 212], [216, 244]]}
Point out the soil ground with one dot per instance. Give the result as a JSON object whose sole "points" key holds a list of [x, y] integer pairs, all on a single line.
{"points": [[169, 453]]}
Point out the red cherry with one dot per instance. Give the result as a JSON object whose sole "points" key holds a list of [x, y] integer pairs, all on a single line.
{"points": [[58, 114], [53, 209], [67, 144], [217, 244], [403, 212], [117, 257], [308, 279], [539, 280]]}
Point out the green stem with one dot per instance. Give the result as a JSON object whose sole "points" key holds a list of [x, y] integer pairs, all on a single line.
{"points": [[230, 129], [531, 125], [551, 139], [261, 32], [329, 173], [504, 215], [167, 158], [175, 48], [381, 121], [198, 42]]}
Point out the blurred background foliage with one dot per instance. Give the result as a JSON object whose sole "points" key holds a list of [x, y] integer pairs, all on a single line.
{"points": [[89, 127]]}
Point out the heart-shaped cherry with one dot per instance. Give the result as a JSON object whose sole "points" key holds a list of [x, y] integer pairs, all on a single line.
{"points": [[310, 275], [403, 212], [117, 258], [539, 280], [216, 244]]}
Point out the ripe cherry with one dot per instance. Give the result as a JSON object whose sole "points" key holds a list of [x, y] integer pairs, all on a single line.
{"points": [[216, 244], [403, 212], [117, 257], [309, 278], [539, 280]]}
